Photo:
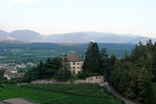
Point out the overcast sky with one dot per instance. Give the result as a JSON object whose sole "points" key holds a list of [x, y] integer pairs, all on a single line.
{"points": [[62, 16]]}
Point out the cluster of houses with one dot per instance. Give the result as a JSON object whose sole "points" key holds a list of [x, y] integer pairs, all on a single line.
{"points": [[16, 66], [75, 66], [74, 60], [11, 69]]}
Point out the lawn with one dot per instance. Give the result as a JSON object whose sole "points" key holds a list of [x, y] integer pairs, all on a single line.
{"points": [[60, 94]]}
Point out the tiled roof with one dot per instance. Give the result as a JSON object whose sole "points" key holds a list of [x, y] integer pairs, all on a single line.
{"points": [[14, 75], [7, 73], [74, 57], [12, 70], [17, 75]]}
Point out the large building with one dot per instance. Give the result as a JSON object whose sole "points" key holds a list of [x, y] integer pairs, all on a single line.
{"points": [[75, 62]]}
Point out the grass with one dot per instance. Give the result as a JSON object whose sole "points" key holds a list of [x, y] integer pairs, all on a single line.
{"points": [[93, 90], [60, 95]]}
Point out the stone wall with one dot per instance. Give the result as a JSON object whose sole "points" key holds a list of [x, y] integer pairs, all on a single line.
{"points": [[94, 79], [48, 82]]}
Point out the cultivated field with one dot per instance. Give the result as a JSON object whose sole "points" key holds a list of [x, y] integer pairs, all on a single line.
{"points": [[60, 93]]}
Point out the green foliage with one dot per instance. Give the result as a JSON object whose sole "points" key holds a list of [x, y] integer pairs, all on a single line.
{"points": [[133, 75], [43, 70], [92, 60], [84, 74], [64, 73], [48, 94], [93, 90], [2, 74], [154, 91], [14, 81]]}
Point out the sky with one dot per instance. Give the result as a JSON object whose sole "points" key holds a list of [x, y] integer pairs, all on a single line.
{"points": [[63, 16]]}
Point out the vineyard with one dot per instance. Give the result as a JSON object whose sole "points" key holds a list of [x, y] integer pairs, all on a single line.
{"points": [[60, 94]]}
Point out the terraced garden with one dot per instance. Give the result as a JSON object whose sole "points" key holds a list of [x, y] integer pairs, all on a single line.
{"points": [[60, 93]]}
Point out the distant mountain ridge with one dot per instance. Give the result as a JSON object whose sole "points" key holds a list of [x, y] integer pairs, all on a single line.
{"points": [[74, 37]]}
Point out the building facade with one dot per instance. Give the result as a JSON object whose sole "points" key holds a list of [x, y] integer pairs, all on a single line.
{"points": [[75, 62]]}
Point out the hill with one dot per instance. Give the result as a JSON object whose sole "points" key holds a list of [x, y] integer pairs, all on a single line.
{"points": [[75, 37]]}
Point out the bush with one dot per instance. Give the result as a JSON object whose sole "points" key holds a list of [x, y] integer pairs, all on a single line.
{"points": [[84, 74], [63, 75]]}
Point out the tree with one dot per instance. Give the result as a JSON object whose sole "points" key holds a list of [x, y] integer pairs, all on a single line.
{"points": [[132, 76], [51, 67], [43, 70], [28, 76], [104, 61], [64, 73], [2, 74], [92, 60], [39, 73]]}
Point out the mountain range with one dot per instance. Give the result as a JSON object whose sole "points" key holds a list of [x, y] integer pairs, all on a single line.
{"points": [[74, 37]]}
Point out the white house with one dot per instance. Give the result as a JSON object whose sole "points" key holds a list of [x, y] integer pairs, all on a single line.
{"points": [[75, 62], [13, 70]]}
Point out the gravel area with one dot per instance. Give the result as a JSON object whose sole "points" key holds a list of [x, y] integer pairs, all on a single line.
{"points": [[18, 101]]}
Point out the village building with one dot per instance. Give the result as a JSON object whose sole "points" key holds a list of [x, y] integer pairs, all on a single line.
{"points": [[75, 62], [10, 75], [13, 70]]}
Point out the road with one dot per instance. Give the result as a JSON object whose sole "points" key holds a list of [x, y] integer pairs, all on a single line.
{"points": [[113, 91]]}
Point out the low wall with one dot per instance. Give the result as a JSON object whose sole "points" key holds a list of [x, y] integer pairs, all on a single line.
{"points": [[48, 82], [94, 79]]}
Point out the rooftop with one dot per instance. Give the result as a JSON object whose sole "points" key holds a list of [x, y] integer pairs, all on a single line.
{"points": [[74, 57]]}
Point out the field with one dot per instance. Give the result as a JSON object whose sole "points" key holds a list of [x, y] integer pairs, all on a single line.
{"points": [[61, 94], [28, 55], [34, 52]]}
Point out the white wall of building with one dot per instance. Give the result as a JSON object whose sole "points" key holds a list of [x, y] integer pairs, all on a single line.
{"points": [[75, 67]]}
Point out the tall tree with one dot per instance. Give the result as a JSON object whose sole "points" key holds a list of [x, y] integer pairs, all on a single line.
{"points": [[92, 60], [40, 67]]}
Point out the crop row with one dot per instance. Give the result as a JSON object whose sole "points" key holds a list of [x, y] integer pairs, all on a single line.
{"points": [[91, 90], [50, 97]]}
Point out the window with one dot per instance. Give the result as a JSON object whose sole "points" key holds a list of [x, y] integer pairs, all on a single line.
{"points": [[81, 63], [78, 63], [73, 71], [73, 67], [77, 67], [69, 63], [73, 63]]}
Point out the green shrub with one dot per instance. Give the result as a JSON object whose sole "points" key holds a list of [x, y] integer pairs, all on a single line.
{"points": [[84, 74]]}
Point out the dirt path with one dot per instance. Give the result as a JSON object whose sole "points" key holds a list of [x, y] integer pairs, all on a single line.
{"points": [[112, 90], [18, 101]]}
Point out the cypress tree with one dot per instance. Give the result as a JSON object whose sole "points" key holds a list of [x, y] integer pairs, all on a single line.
{"points": [[92, 60]]}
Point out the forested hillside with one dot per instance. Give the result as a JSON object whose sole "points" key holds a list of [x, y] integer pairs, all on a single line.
{"points": [[135, 75]]}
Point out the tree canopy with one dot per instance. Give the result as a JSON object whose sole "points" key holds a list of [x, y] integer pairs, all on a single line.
{"points": [[134, 75], [92, 60]]}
